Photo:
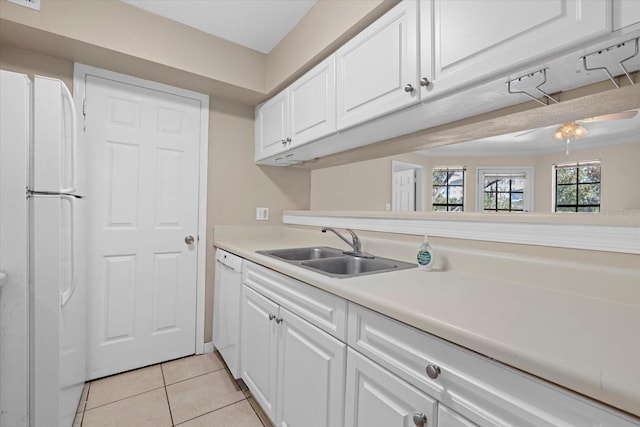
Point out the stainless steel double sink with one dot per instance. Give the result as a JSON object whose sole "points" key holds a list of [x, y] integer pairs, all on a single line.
{"points": [[334, 262]]}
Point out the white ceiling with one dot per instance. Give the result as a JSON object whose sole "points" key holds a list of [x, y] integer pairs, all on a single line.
{"points": [[256, 24], [539, 141]]}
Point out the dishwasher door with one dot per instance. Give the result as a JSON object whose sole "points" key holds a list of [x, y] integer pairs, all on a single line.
{"points": [[226, 309]]}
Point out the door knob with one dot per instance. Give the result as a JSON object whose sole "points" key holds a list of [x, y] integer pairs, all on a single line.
{"points": [[419, 419], [424, 82], [408, 88], [433, 371], [189, 240]]}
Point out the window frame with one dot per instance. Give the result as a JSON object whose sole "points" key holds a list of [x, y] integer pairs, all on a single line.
{"points": [[447, 185], [575, 165], [527, 194]]}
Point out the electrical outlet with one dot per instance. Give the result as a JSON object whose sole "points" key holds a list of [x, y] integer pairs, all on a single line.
{"points": [[31, 4], [262, 214]]}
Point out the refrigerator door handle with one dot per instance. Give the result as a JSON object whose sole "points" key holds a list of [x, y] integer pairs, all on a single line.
{"points": [[68, 293], [66, 95]]}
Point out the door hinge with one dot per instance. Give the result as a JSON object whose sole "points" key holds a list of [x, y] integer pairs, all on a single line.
{"points": [[84, 114]]}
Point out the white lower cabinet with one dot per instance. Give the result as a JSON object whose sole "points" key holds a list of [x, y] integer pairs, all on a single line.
{"points": [[478, 389], [376, 397], [295, 370], [259, 348], [310, 382], [298, 368]]}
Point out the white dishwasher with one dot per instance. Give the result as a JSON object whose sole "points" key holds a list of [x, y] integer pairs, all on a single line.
{"points": [[226, 309]]}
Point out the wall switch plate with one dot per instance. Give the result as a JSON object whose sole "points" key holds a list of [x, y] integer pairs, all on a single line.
{"points": [[31, 4], [262, 214]]}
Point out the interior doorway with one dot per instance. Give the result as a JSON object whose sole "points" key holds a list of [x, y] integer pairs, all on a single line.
{"points": [[407, 188], [146, 192]]}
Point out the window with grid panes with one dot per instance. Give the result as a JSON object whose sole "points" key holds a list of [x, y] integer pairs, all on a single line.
{"points": [[448, 189], [504, 192], [577, 187]]}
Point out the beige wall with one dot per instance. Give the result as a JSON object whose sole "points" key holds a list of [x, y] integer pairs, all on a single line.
{"points": [[236, 186], [366, 185], [358, 186], [620, 174], [117, 36]]}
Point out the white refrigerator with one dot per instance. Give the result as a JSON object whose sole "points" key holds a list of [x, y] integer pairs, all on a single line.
{"points": [[42, 298]]}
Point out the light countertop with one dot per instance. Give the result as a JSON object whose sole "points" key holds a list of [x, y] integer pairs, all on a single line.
{"points": [[586, 342]]}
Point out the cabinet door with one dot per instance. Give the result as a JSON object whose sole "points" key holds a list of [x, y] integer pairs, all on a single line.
{"points": [[376, 65], [312, 101], [311, 371], [481, 39], [272, 126], [625, 13], [259, 348], [376, 397]]}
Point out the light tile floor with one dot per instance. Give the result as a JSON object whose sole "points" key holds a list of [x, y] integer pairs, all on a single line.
{"points": [[194, 391]]}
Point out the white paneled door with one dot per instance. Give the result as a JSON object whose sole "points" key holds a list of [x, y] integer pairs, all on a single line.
{"points": [[143, 147], [404, 191]]}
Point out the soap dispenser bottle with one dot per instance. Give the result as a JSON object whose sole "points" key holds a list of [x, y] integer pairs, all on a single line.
{"points": [[425, 256]]}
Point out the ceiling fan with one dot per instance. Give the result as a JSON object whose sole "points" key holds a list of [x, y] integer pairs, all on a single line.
{"points": [[603, 118], [574, 129]]}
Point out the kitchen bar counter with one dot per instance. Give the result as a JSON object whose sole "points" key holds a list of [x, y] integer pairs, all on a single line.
{"points": [[585, 340]]}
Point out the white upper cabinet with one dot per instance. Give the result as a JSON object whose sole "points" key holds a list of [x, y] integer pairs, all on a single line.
{"points": [[303, 112], [625, 13], [377, 69], [312, 101], [272, 126], [477, 40]]}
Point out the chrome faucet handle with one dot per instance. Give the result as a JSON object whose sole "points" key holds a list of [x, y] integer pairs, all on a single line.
{"points": [[357, 245]]}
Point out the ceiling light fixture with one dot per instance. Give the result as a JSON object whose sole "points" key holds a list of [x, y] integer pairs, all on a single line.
{"points": [[569, 130]]}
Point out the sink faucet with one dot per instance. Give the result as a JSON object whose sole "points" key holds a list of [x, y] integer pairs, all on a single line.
{"points": [[356, 245]]}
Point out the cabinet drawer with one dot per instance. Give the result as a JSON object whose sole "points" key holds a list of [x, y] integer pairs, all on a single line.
{"points": [[322, 309], [482, 390]]}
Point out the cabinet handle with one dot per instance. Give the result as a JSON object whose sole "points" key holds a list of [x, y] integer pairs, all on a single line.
{"points": [[288, 140], [433, 371], [420, 419], [278, 319], [408, 88], [424, 82], [284, 141], [272, 316]]}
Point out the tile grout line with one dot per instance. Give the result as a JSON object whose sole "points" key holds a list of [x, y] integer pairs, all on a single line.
{"points": [[195, 376], [215, 410], [124, 398], [166, 393], [86, 400]]}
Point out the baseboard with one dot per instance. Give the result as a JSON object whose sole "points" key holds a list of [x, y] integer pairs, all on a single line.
{"points": [[209, 347]]}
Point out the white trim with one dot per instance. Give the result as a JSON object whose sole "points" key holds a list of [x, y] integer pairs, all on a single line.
{"points": [[623, 239], [209, 347], [80, 71]]}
